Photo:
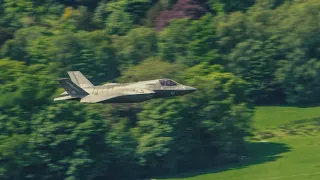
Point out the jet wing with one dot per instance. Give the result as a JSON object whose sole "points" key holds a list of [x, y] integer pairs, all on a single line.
{"points": [[63, 98], [108, 96]]}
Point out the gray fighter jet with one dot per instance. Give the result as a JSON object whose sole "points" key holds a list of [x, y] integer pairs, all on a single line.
{"points": [[81, 89]]}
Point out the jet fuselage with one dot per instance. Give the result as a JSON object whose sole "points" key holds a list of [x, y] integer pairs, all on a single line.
{"points": [[140, 87], [80, 88]]}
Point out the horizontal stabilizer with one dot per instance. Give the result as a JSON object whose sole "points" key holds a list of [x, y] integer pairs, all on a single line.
{"points": [[64, 98]]}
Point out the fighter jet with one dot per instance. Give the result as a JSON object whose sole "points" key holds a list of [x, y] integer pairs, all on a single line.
{"points": [[81, 89]]}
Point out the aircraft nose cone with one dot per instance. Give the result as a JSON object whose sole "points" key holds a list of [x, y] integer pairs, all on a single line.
{"points": [[190, 89]]}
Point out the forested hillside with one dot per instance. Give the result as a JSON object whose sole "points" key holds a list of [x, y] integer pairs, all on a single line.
{"points": [[237, 53]]}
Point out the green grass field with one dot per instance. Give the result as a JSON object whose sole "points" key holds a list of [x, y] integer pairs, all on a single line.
{"points": [[286, 147]]}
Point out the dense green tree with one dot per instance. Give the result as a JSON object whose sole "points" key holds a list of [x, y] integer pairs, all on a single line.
{"points": [[22, 13], [63, 143], [77, 19], [282, 36], [70, 141], [137, 45], [119, 17], [220, 6], [171, 130], [15, 156], [100, 14], [119, 22], [24, 89], [239, 52], [188, 42], [91, 4], [136, 8], [18, 47], [299, 77], [152, 68], [5, 34], [25, 86], [122, 141], [256, 62], [89, 53]]}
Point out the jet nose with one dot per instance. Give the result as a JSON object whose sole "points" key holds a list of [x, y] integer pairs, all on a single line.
{"points": [[190, 89]]}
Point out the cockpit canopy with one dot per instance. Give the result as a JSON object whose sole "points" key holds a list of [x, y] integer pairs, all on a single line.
{"points": [[167, 82]]}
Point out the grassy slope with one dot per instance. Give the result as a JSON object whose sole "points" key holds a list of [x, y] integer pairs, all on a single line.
{"points": [[290, 151], [275, 116]]}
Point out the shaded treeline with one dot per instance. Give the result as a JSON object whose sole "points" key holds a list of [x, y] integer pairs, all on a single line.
{"points": [[236, 53]]}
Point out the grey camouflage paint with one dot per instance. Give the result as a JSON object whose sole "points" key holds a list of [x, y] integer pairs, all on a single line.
{"points": [[81, 89]]}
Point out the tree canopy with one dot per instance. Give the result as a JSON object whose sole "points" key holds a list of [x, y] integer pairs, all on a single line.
{"points": [[236, 53]]}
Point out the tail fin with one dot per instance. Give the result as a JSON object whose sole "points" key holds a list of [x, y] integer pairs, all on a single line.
{"points": [[72, 89], [79, 79]]}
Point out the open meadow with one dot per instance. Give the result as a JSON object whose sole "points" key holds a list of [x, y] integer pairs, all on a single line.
{"points": [[286, 147]]}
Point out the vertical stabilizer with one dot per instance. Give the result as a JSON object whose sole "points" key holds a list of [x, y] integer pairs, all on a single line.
{"points": [[79, 79], [72, 89]]}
